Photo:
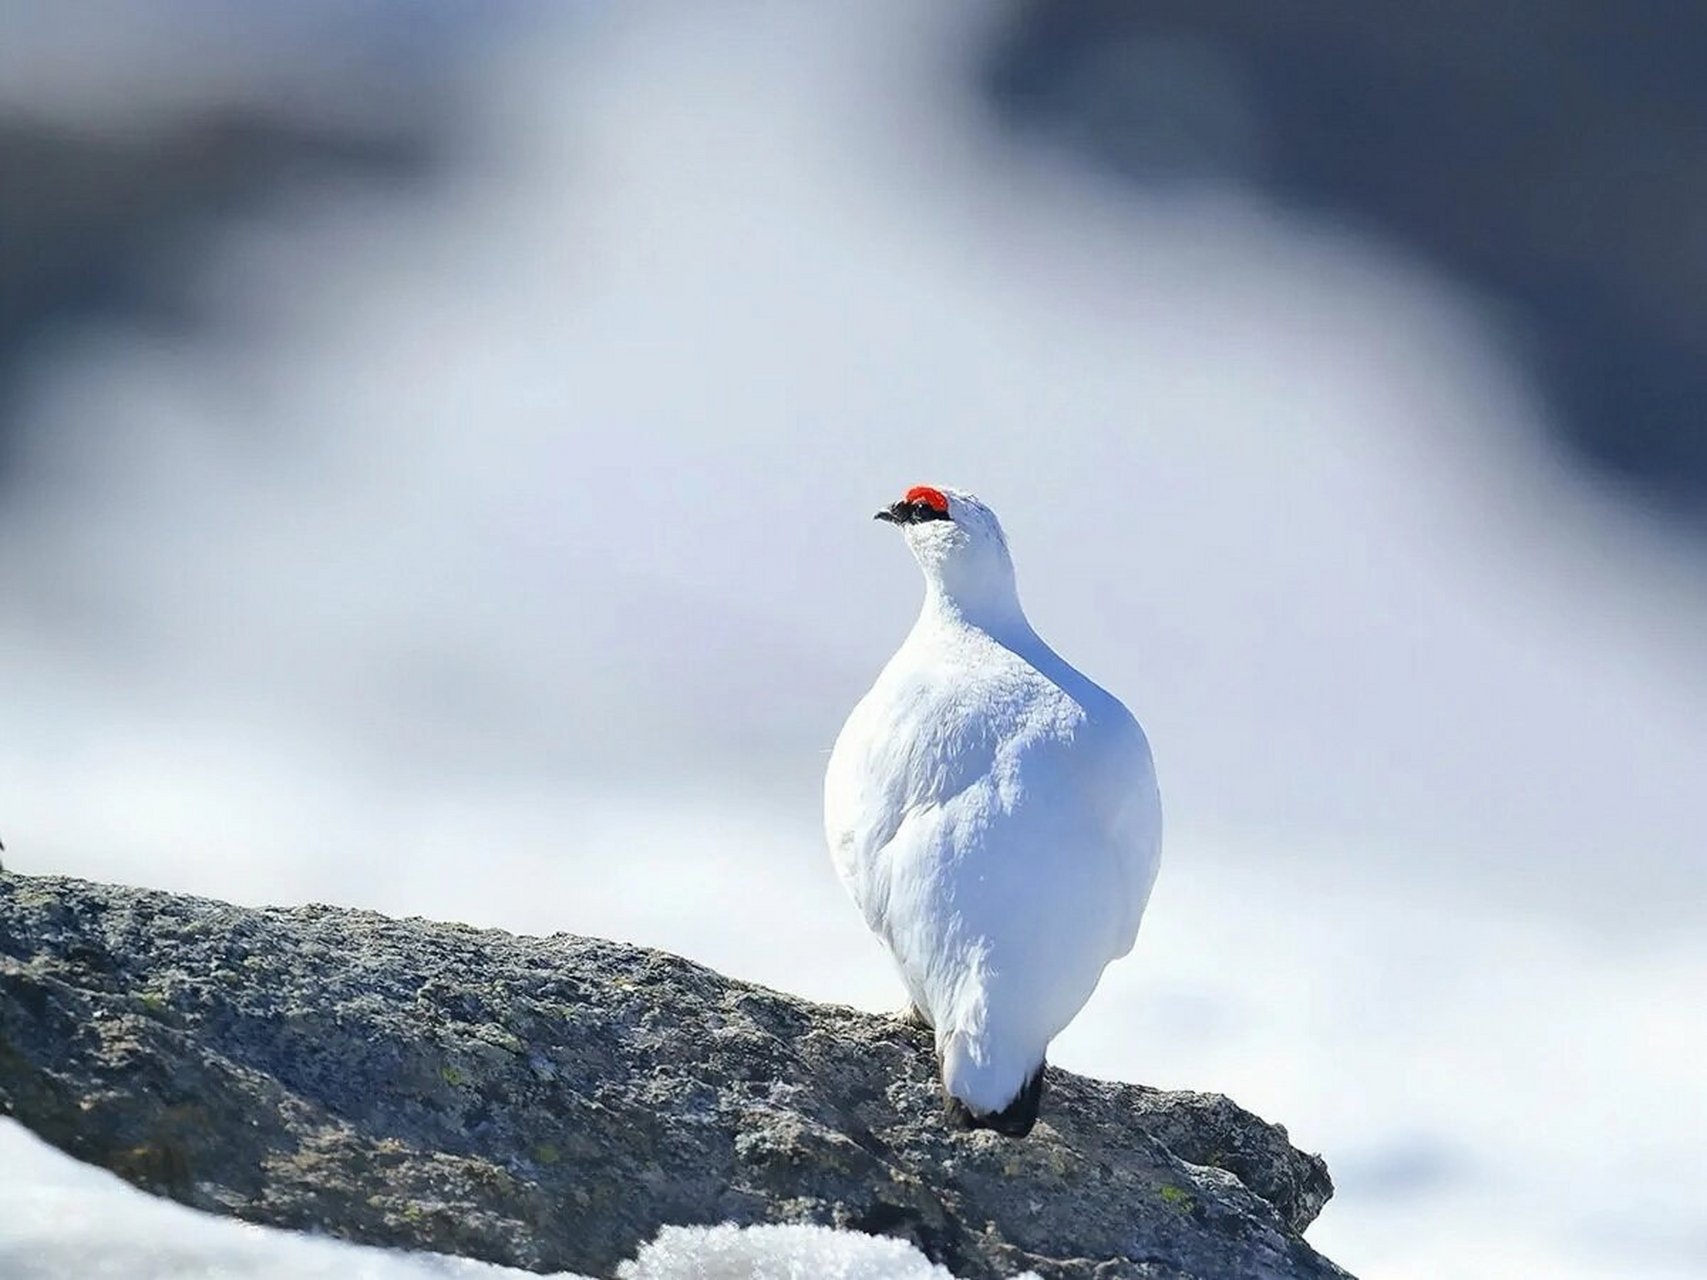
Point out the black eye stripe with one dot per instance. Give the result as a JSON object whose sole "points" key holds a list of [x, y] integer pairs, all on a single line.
{"points": [[919, 512], [916, 512]]}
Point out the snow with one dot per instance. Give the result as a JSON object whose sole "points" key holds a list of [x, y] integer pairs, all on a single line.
{"points": [[527, 527], [778, 1253], [1497, 1095]]}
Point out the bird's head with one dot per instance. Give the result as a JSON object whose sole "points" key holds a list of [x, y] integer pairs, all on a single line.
{"points": [[957, 541]]}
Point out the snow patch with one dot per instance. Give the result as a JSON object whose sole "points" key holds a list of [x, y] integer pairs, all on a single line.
{"points": [[782, 1252]]}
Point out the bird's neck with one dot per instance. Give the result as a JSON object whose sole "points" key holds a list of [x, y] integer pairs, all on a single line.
{"points": [[982, 596]]}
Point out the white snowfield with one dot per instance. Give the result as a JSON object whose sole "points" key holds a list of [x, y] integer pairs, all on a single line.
{"points": [[992, 811], [64, 1220]]}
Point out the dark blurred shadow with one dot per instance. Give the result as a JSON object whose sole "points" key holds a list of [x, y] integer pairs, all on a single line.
{"points": [[82, 214], [236, 108], [1552, 155]]}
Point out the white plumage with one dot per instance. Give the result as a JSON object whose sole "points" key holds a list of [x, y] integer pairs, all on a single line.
{"points": [[994, 814]]}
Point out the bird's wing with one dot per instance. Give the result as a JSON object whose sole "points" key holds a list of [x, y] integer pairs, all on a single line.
{"points": [[897, 761], [1111, 779]]}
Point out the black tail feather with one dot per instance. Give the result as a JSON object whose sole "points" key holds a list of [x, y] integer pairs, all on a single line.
{"points": [[1012, 1121]]}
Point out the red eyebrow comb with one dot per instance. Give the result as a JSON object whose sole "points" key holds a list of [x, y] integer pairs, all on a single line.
{"points": [[935, 499]]}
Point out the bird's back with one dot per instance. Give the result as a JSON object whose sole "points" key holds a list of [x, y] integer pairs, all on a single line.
{"points": [[994, 814]]}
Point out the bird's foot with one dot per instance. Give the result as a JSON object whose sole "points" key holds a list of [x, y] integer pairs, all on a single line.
{"points": [[1013, 1121]]}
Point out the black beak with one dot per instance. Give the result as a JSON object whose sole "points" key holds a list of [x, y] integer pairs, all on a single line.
{"points": [[894, 514]]}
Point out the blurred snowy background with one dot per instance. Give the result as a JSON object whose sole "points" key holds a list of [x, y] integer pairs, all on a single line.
{"points": [[438, 442]]}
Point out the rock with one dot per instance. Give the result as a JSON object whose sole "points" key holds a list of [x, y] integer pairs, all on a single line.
{"points": [[551, 1102]]}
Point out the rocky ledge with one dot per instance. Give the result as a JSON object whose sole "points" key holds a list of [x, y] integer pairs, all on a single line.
{"points": [[549, 1103]]}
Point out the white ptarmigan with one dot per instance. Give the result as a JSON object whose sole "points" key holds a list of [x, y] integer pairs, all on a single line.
{"points": [[994, 813]]}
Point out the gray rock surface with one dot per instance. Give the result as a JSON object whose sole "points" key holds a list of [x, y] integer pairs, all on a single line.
{"points": [[550, 1102]]}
